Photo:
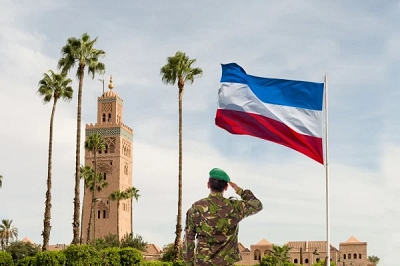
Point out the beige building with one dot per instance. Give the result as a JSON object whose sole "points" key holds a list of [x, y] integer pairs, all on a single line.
{"points": [[350, 253], [115, 163]]}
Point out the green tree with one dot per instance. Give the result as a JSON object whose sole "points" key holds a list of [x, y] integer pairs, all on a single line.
{"points": [[110, 256], [93, 185], [52, 87], [94, 143], [19, 250], [282, 254], [130, 256], [179, 70], [132, 193], [374, 259], [7, 231], [80, 52], [109, 241], [6, 259], [136, 242], [117, 196], [82, 255], [322, 263], [53, 258], [168, 253]]}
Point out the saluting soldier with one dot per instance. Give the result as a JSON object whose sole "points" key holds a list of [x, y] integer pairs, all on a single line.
{"points": [[214, 222]]}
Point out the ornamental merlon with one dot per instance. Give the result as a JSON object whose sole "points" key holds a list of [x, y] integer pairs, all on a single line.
{"points": [[109, 131], [102, 99], [108, 125]]}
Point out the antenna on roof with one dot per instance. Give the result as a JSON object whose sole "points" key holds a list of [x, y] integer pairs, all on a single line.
{"points": [[102, 81]]}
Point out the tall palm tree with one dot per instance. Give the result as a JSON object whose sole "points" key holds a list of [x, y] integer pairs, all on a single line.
{"points": [[80, 51], [52, 87], [374, 259], [8, 231], [132, 193], [87, 173], [117, 196], [179, 69], [94, 143], [282, 254]]}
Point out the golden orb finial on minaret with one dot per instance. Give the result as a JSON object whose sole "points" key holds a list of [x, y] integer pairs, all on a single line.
{"points": [[111, 85]]}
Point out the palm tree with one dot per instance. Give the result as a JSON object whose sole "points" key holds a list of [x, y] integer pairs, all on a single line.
{"points": [[94, 143], [132, 193], [52, 87], [8, 231], [282, 254], [179, 69], [374, 259], [87, 173], [117, 196], [1, 181], [80, 51]]}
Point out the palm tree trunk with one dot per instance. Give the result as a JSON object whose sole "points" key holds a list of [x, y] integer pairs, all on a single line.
{"points": [[76, 223], [94, 197], [179, 218], [47, 211], [132, 214], [90, 222], [118, 219], [83, 211]]}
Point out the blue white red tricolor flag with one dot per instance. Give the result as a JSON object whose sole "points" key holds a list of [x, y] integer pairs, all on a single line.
{"points": [[286, 112]]}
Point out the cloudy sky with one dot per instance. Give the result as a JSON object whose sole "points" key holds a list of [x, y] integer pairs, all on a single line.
{"points": [[356, 43]]}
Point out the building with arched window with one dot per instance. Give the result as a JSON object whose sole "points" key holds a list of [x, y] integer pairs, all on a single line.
{"points": [[306, 253]]}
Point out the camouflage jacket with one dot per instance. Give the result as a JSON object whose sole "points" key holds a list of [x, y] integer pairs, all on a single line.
{"points": [[214, 222]]}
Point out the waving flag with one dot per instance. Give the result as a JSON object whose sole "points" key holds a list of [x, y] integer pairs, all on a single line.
{"points": [[286, 112]]}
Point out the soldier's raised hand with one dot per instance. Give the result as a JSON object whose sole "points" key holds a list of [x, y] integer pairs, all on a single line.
{"points": [[234, 186]]}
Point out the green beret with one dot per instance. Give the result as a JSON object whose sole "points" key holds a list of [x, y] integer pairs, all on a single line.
{"points": [[219, 174]]}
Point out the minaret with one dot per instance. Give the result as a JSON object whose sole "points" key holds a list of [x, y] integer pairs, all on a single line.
{"points": [[115, 163]]}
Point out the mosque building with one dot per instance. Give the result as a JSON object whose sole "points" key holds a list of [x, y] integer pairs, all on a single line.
{"points": [[115, 164], [350, 253]]}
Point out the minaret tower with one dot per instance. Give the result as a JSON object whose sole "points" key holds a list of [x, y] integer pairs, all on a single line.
{"points": [[115, 163]]}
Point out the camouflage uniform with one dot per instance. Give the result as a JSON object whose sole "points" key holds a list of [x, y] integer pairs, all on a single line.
{"points": [[214, 221]]}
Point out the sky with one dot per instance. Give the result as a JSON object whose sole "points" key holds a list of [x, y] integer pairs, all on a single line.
{"points": [[355, 43]]}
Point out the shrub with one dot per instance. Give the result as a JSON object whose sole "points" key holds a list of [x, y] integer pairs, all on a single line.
{"points": [[19, 250], [82, 255], [6, 259], [157, 263], [169, 253], [53, 258], [109, 241], [136, 242], [27, 261], [179, 263], [110, 257], [130, 256]]}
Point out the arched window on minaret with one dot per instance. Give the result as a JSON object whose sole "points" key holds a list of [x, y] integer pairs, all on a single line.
{"points": [[104, 117], [105, 176], [104, 214], [98, 214], [106, 149], [109, 117]]}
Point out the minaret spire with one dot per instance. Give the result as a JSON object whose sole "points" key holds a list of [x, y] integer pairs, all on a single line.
{"points": [[111, 85]]}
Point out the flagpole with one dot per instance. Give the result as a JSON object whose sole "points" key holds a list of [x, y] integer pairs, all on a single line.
{"points": [[328, 250]]}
